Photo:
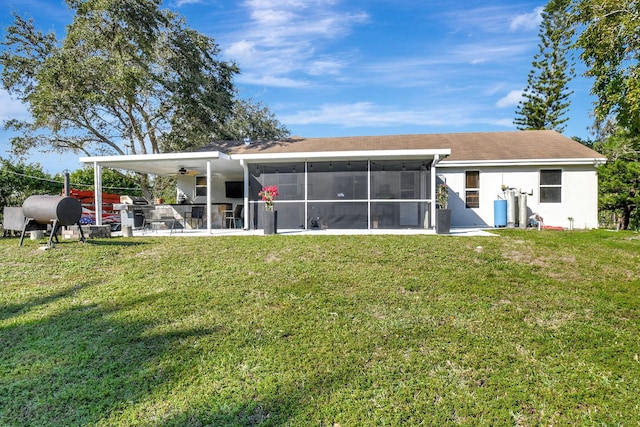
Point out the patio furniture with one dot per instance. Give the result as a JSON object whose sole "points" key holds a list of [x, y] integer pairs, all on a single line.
{"points": [[160, 217], [197, 214], [233, 217]]}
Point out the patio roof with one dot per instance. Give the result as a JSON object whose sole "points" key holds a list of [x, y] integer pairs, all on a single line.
{"points": [[168, 164]]}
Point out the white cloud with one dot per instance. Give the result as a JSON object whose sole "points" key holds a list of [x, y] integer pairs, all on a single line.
{"points": [[369, 114], [510, 100], [527, 21], [284, 38], [10, 108], [180, 3]]}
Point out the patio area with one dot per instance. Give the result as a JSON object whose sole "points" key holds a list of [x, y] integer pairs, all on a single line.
{"points": [[466, 232]]}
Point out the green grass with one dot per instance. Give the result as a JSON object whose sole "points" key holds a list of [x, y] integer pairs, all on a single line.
{"points": [[529, 328]]}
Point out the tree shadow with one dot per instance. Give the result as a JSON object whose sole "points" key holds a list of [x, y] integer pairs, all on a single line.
{"points": [[11, 310], [77, 366]]}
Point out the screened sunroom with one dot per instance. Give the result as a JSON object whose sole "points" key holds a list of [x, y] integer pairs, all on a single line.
{"points": [[344, 194]]}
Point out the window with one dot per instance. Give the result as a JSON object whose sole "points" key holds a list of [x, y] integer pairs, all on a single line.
{"points": [[550, 186], [201, 185], [472, 189]]}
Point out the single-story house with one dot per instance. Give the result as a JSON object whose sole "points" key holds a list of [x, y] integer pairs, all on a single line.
{"points": [[386, 182]]}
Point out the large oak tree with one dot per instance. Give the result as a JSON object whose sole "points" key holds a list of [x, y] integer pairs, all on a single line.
{"points": [[128, 78]]}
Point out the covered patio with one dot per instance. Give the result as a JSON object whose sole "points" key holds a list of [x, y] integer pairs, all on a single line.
{"points": [[367, 190]]}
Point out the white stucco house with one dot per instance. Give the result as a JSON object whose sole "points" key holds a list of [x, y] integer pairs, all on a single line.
{"points": [[386, 182]]}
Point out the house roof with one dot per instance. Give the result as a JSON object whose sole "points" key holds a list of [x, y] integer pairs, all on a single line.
{"points": [[479, 146]]}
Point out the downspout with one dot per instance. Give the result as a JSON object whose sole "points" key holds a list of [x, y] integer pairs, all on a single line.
{"points": [[209, 196], [97, 192], [245, 219]]}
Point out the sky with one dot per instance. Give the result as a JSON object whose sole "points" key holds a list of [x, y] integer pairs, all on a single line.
{"points": [[354, 67]]}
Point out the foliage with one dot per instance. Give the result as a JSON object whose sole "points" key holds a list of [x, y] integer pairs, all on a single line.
{"points": [[529, 328], [268, 195], [113, 181], [619, 179], [546, 95], [128, 78], [611, 51], [19, 181]]}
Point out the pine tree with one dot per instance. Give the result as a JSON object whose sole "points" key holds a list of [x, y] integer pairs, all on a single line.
{"points": [[546, 97]]}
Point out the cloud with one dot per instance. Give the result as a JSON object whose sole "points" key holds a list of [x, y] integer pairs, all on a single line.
{"points": [[180, 3], [527, 21], [369, 114], [10, 108], [510, 100], [284, 39]]}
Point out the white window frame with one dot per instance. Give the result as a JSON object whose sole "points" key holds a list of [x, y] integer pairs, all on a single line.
{"points": [[471, 189], [542, 186]]}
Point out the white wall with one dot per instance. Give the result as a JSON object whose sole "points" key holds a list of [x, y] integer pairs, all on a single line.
{"points": [[579, 194]]}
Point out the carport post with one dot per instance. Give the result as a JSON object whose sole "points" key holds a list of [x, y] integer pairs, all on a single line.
{"points": [[209, 196]]}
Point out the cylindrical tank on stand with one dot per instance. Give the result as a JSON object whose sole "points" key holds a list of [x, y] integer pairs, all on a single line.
{"points": [[499, 213], [46, 209], [522, 205], [510, 196]]}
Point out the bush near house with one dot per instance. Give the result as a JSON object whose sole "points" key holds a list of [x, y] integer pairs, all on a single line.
{"points": [[528, 328]]}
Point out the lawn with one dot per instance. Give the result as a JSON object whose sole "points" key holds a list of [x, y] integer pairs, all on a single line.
{"points": [[528, 328]]}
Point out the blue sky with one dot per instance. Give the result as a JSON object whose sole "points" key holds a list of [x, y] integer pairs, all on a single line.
{"points": [[376, 67]]}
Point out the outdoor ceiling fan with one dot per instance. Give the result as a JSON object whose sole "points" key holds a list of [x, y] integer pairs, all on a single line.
{"points": [[187, 172]]}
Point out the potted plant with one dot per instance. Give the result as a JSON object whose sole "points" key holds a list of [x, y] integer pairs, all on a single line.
{"points": [[268, 195], [443, 214]]}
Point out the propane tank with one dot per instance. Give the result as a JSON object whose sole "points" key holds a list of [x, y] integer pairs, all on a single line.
{"points": [[522, 206]]}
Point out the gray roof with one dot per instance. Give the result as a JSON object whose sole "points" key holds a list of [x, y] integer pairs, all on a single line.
{"points": [[478, 146]]}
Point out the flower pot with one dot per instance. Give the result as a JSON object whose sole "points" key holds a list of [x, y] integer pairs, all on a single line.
{"points": [[443, 221], [271, 222]]}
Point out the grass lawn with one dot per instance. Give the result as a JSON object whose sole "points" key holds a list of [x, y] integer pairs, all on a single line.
{"points": [[529, 328]]}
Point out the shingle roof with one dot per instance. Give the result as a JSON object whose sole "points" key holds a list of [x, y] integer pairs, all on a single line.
{"points": [[481, 146]]}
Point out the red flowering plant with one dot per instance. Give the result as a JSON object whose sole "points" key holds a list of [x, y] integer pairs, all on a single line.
{"points": [[268, 194]]}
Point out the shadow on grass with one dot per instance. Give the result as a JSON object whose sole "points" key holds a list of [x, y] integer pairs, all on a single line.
{"points": [[90, 363], [11, 310], [80, 365], [112, 242]]}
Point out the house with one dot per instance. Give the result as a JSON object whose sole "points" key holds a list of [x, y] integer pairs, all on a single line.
{"points": [[386, 182]]}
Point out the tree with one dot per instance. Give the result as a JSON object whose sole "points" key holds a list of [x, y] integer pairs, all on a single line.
{"points": [[611, 51], [546, 97], [19, 181], [128, 78], [619, 178], [112, 181]]}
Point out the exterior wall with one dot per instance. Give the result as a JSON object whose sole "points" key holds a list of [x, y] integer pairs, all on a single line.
{"points": [[579, 194]]}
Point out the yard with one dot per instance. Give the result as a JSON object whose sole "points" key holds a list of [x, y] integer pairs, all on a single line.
{"points": [[528, 328]]}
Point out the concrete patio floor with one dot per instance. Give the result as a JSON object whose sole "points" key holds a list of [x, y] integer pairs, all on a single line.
{"points": [[468, 232]]}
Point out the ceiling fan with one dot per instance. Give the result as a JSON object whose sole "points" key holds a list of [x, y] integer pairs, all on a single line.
{"points": [[187, 172]]}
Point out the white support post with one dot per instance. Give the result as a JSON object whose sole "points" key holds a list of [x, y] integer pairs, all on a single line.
{"points": [[209, 198], [245, 218], [436, 159], [97, 192]]}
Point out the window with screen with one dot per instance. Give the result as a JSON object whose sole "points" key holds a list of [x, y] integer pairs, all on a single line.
{"points": [[550, 186], [472, 189]]}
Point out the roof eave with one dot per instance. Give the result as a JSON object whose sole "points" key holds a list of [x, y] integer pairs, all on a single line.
{"points": [[522, 162], [336, 155]]}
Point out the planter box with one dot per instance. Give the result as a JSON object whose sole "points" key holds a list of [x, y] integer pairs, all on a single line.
{"points": [[271, 222], [443, 221]]}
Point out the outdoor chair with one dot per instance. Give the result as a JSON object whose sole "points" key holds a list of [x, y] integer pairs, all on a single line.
{"points": [[233, 218], [197, 214]]}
